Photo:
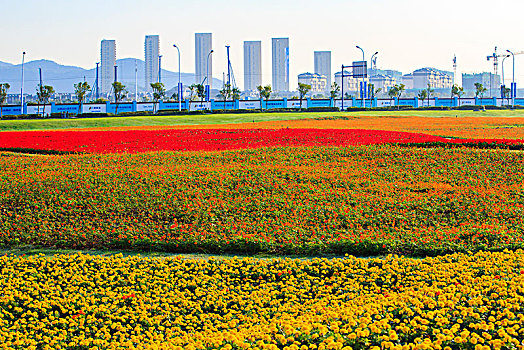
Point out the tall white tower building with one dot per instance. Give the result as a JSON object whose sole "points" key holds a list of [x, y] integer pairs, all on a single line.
{"points": [[323, 65], [252, 65], [107, 65], [203, 46], [280, 73], [152, 54]]}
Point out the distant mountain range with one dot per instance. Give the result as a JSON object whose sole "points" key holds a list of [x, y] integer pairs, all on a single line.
{"points": [[63, 77]]}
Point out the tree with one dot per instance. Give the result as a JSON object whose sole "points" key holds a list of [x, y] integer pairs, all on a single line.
{"points": [[400, 89], [159, 93], [422, 95], [335, 89], [303, 89], [3, 96], [480, 90], [120, 92], [201, 93], [506, 93], [264, 93], [393, 92], [457, 91], [372, 92], [429, 92], [43, 93], [192, 91], [225, 93], [81, 90], [235, 93]]}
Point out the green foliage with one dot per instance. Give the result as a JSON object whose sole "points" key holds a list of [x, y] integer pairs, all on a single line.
{"points": [[335, 90], [264, 92], [81, 90], [480, 90]]}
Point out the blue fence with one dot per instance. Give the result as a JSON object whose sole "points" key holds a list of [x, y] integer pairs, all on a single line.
{"points": [[252, 104]]}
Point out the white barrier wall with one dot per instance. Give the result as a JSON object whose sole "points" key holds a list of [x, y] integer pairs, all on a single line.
{"points": [[99, 108], [385, 103], [37, 110], [347, 103], [296, 103], [197, 106], [426, 103], [145, 107], [467, 102], [249, 104]]}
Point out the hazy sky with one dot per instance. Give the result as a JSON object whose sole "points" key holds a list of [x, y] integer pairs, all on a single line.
{"points": [[408, 34]]}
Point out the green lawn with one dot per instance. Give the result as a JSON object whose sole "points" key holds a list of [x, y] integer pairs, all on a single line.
{"points": [[49, 124]]}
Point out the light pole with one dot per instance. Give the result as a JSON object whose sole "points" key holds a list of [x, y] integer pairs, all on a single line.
{"points": [[208, 92], [362, 91], [503, 79], [373, 67], [513, 85], [22, 86], [179, 83]]}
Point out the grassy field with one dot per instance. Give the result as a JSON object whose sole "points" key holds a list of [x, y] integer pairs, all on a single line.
{"points": [[50, 124]]}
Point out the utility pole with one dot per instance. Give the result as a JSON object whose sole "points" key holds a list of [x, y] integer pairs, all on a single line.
{"points": [[228, 67], [40, 88], [116, 72], [454, 68], [96, 80], [160, 68], [22, 86], [136, 80]]}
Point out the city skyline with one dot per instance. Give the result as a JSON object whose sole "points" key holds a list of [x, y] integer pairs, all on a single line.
{"points": [[429, 36]]}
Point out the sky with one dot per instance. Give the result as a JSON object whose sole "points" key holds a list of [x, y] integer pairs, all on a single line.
{"points": [[408, 34]]}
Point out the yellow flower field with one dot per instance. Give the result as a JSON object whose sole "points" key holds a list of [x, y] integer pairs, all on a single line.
{"points": [[459, 301]]}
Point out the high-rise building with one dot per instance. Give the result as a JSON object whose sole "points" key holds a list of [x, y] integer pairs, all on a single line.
{"points": [[252, 65], [280, 72], [203, 46], [107, 65], [152, 54], [323, 65]]}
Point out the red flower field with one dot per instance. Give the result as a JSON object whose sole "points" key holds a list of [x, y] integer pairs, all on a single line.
{"points": [[136, 141]]}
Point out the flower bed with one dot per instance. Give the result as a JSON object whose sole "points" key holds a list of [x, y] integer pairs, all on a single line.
{"points": [[135, 141], [362, 200], [460, 301]]}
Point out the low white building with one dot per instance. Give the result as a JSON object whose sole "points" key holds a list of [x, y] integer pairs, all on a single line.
{"points": [[407, 80], [434, 77], [317, 82], [383, 82], [351, 85]]}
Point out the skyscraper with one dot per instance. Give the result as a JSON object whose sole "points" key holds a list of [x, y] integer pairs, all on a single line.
{"points": [[152, 53], [323, 65], [252, 64], [107, 65], [280, 73], [203, 46]]}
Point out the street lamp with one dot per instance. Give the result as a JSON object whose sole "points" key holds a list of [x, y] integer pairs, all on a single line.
{"points": [[372, 65], [208, 92], [179, 82], [362, 92], [22, 86], [513, 85], [503, 79]]}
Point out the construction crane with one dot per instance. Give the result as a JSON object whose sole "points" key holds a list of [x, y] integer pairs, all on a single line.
{"points": [[495, 57]]}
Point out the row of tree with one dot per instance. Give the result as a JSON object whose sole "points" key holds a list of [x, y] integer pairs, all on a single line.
{"points": [[82, 89]]}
